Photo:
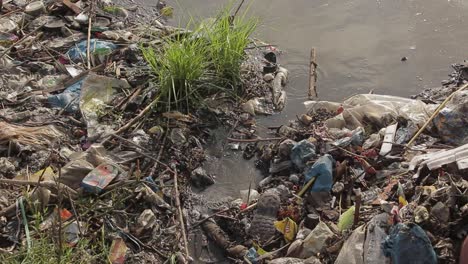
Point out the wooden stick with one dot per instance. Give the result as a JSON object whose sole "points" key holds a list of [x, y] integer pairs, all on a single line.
{"points": [[358, 194], [313, 75], [88, 44], [252, 140], [181, 217], [441, 106], [138, 117]]}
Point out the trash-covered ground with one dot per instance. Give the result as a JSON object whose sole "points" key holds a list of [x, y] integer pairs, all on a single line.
{"points": [[93, 169], [96, 162]]}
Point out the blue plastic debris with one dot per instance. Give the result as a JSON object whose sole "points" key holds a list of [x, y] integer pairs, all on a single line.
{"points": [[252, 255], [302, 152], [98, 47], [68, 99], [409, 244], [323, 170]]}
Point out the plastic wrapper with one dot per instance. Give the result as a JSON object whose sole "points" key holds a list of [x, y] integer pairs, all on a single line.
{"points": [[98, 47], [378, 110]]}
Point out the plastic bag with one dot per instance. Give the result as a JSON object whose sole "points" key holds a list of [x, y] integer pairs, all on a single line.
{"points": [[302, 152], [323, 170], [98, 47], [353, 249], [409, 244], [378, 110]]}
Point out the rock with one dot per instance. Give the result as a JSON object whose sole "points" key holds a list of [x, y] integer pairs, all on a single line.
{"points": [[200, 178]]}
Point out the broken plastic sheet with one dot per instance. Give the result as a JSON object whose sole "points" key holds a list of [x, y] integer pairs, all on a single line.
{"points": [[353, 249], [379, 110], [438, 159], [82, 163], [96, 92]]}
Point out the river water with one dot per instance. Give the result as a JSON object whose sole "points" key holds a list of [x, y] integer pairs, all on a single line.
{"points": [[359, 43]]}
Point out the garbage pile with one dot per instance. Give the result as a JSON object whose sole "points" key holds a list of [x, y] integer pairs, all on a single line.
{"points": [[374, 179]]}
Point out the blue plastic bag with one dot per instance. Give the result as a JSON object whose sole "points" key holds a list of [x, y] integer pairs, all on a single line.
{"points": [[323, 170], [302, 152], [409, 244], [98, 47], [68, 99]]}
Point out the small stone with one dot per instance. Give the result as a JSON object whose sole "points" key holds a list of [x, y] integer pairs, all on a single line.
{"points": [[404, 58], [268, 77]]}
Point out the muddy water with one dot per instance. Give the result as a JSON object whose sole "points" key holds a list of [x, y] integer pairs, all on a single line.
{"points": [[359, 44]]}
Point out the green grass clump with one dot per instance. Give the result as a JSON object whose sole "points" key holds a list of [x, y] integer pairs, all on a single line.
{"points": [[228, 37], [179, 67], [43, 251], [190, 67]]}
